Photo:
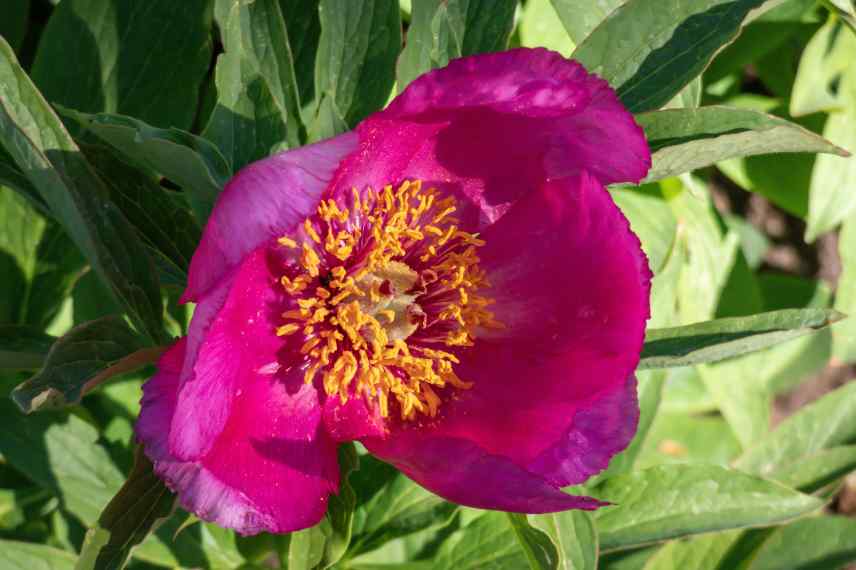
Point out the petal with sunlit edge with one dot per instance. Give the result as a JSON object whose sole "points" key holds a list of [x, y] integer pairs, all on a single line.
{"points": [[450, 284]]}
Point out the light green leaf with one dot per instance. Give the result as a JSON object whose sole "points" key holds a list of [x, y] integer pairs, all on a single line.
{"points": [[486, 542], [41, 146], [651, 219], [582, 17], [724, 338], [828, 422], [60, 452], [846, 10], [191, 162], [146, 60], [574, 535], [355, 63], [649, 50], [689, 97], [678, 437], [699, 553], [811, 472], [23, 347], [831, 199], [540, 26], [15, 555], [82, 359], [844, 333], [138, 508], [825, 59], [671, 501], [682, 140], [442, 30], [819, 543], [537, 545]]}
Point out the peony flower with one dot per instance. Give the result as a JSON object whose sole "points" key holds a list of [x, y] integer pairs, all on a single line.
{"points": [[449, 284]]}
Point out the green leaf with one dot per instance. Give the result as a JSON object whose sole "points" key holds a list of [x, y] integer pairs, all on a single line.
{"points": [[682, 140], [138, 508], [81, 360], [846, 10], [58, 265], [827, 422], [192, 162], [443, 30], [304, 32], [725, 338], [830, 199], [41, 146], [15, 555], [825, 60], [61, 453], [844, 333], [20, 229], [163, 222], [23, 347], [355, 64], [540, 26], [817, 543], [536, 544], [326, 543], [11, 176], [399, 508], [574, 535], [671, 501], [14, 15], [582, 17], [486, 542], [651, 219], [699, 553], [816, 470], [146, 60], [678, 437], [649, 50]]}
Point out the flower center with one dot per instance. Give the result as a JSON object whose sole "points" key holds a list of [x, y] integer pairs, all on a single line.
{"points": [[384, 291]]}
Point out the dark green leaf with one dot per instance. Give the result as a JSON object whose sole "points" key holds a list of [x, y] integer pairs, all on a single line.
{"points": [[686, 139], [725, 338], [61, 453], [13, 21], [11, 176], [326, 543], [138, 508], [441, 30], [820, 543], [828, 422], [649, 50], [166, 225], [671, 501], [23, 347], [355, 64], [142, 59], [574, 536], [41, 146], [79, 361], [15, 555], [58, 265], [192, 162], [399, 508], [304, 31]]}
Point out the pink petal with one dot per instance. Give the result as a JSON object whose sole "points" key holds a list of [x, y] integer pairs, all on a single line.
{"points": [[240, 338], [553, 391], [491, 127], [352, 420], [263, 201], [458, 470], [271, 469]]}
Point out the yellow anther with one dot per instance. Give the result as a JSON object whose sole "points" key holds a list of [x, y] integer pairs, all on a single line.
{"points": [[310, 231], [288, 329], [287, 242]]}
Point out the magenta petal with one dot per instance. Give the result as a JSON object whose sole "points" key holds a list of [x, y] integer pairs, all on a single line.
{"points": [[263, 201], [272, 467], [240, 339], [492, 127], [458, 470], [550, 391], [352, 420]]}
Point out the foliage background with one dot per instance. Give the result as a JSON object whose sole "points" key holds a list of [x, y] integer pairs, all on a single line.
{"points": [[166, 99]]}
